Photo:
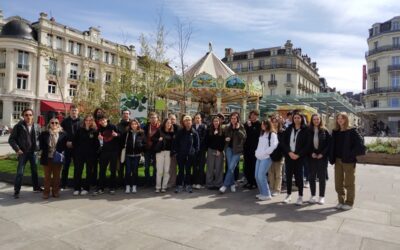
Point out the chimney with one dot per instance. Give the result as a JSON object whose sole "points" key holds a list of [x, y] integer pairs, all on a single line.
{"points": [[228, 52]]}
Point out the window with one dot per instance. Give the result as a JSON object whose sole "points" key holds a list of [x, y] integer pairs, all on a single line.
{"points": [[375, 64], [288, 92], [289, 62], [376, 30], [288, 77], [395, 79], [108, 77], [72, 90], [395, 60], [22, 81], [52, 66], [395, 25], [107, 57], [23, 60], [272, 91], [92, 74], [50, 40], [2, 59], [96, 55], [376, 45], [112, 59], [250, 65], [90, 52], [239, 67], [59, 43], [261, 63], [261, 78], [375, 104], [273, 63], [51, 88], [2, 79], [71, 47], [18, 108], [272, 77], [78, 49], [375, 82], [394, 102], [396, 41], [73, 72]]}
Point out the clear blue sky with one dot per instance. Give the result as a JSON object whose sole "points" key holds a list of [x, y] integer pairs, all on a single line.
{"points": [[332, 33]]}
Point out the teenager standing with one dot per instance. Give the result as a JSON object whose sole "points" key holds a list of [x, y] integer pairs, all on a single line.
{"points": [[215, 142], [253, 128]]}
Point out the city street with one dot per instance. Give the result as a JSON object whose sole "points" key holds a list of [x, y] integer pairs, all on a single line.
{"points": [[205, 220]]}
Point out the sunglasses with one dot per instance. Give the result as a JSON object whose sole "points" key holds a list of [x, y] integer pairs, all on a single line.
{"points": [[53, 123]]}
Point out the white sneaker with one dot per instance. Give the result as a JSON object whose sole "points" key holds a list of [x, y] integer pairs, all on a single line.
{"points": [[274, 194], [222, 189], [321, 200], [306, 184], [346, 207], [313, 200], [134, 189], [128, 189], [264, 198], [339, 206], [288, 199], [76, 193], [84, 192], [258, 196], [299, 201], [233, 188], [157, 190]]}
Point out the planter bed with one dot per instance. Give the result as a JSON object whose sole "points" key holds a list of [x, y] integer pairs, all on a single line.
{"points": [[380, 159]]}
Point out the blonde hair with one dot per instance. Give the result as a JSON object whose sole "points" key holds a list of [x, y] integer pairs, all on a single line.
{"points": [[59, 128], [186, 117], [344, 116]]}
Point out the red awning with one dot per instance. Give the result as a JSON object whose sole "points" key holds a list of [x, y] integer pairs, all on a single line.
{"points": [[53, 106]]}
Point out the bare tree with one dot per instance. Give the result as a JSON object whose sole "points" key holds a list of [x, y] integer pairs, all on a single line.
{"points": [[184, 32]]}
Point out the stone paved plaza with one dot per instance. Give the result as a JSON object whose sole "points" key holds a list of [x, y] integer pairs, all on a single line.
{"points": [[205, 220]]}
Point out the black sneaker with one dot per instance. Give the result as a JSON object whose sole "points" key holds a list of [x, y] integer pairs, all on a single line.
{"points": [[189, 189], [37, 189], [16, 195]]}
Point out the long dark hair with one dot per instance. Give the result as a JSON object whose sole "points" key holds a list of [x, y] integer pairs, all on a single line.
{"points": [[164, 124], [268, 127], [97, 110], [237, 116], [212, 128], [302, 124], [137, 122]]}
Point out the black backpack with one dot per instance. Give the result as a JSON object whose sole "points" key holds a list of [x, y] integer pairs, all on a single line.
{"points": [[277, 154]]}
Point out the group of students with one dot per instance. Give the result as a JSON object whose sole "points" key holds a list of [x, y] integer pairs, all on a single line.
{"points": [[269, 148]]}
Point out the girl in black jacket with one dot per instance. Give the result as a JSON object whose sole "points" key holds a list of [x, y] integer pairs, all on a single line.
{"points": [[295, 147], [52, 142], [86, 145], [319, 139], [347, 143], [215, 142], [133, 141], [162, 145]]}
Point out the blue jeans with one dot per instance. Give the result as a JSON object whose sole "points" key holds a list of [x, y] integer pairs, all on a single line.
{"points": [[22, 159], [262, 167], [131, 170], [149, 159], [232, 161]]}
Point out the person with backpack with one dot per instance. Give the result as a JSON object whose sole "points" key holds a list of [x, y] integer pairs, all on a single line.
{"points": [[346, 145], [318, 157], [295, 147], [275, 171], [162, 143], [267, 143]]}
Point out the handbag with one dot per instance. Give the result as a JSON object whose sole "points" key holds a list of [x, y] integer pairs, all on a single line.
{"points": [[123, 151], [58, 158]]}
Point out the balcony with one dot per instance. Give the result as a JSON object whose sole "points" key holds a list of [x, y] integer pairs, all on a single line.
{"points": [[54, 72], [2, 65], [289, 85], [382, 49], [374, 70], [21, 66], [74, 77], [383, 90], [272, 83], [393, 67]]}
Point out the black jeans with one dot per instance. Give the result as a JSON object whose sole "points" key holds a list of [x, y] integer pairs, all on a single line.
{"points": [[105, 159], [80, 161], [22, 159], [249, 167], [131, 171], [150, 159], [296, 168], [318, 168], [185, 164], [199, 176], [67, 162]]}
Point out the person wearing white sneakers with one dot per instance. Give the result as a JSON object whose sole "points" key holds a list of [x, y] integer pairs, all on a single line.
{"points": [[347, 143], [235, 136], [275, 171], [295, 147], [133, 141], [318, 157], [267, 143]]}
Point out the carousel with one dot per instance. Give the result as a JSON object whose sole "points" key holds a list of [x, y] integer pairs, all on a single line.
{"points": [[213, 86]]}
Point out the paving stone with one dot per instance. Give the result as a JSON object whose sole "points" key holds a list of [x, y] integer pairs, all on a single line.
{"points": [[370, 244]]}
